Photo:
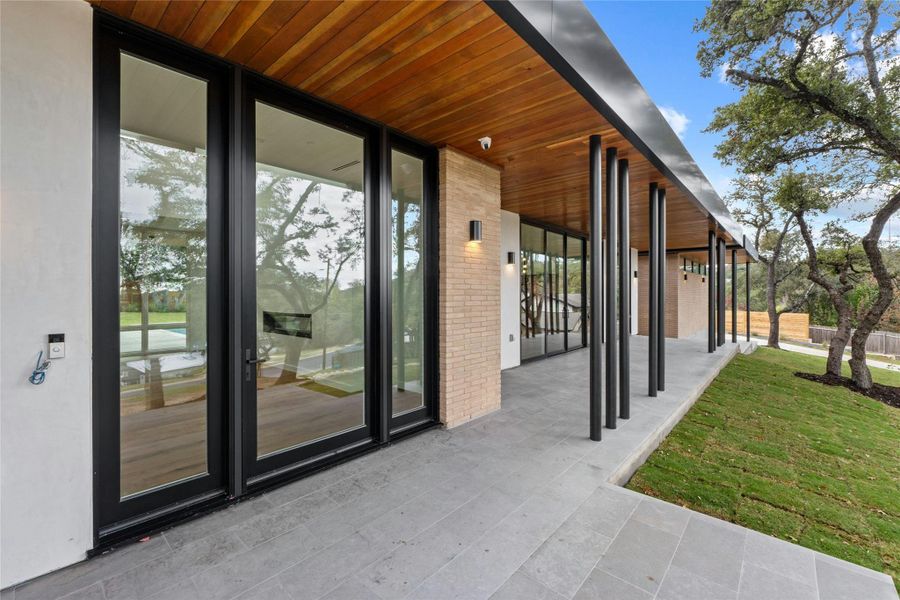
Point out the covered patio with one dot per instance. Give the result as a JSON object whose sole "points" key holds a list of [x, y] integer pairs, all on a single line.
{"points": [[516, 504]]}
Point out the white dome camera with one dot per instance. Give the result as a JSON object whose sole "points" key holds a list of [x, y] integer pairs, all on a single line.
{"points": [[485, 143]]}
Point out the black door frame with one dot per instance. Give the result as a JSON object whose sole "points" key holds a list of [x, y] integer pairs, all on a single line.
{"points": [[257, 89], [113, 515], [231, 148]]}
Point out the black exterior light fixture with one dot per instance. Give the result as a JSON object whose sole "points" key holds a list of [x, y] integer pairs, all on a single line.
{"points": [[510, 258], [474, 231]]}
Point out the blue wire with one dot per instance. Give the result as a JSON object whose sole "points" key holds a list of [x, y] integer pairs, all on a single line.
{"points": [[40, 370]]}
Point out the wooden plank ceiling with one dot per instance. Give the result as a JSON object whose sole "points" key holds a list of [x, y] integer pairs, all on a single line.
{"points": [[446, 72]]}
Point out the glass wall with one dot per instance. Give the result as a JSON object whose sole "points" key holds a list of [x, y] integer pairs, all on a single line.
{"points": [[162, 277], [575, 293], [551, 292], [407, 196], [556, 293], [532, 308], [310, 280]]}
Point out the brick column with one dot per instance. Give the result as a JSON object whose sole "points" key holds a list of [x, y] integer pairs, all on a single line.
{"points": [[469, 315]]}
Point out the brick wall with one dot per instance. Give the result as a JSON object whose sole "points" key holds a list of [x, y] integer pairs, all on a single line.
{"points": [[671, 306], [685, 300], [469, 314], [693, 318]]}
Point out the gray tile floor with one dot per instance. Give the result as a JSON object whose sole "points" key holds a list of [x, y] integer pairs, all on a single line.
{"points": [[515, 505]]}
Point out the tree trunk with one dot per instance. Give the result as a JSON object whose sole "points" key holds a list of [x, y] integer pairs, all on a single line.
{"points": [[774, 329], [860, 373], [770, 305], [837, 295], [291, 363], [838, 345]]}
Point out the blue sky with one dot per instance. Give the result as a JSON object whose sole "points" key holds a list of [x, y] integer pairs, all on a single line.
{"points": [[657, 40]]}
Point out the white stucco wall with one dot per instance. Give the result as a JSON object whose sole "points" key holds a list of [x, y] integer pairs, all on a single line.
{"points": [[45, 285], [510, 355]]}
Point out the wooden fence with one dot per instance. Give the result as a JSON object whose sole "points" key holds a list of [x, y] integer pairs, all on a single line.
{"points": [[793, 326], [879, 342]]}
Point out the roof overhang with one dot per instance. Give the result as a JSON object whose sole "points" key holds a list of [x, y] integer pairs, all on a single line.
{"points": [[449, 72], [568, 37]]}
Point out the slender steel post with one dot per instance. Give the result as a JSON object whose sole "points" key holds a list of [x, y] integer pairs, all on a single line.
{"points": [[661, 306], [653, 299], [711, 293], [595, 372], [624, 294], [734, 295], [383, 328], [610, 249], [720, 288], [747, 291]]}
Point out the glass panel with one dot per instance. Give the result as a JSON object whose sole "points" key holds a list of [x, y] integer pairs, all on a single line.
{"points": [[574, 313], [531, 330], [162, 277], [310, 280], [556, 297], [407, 184]]}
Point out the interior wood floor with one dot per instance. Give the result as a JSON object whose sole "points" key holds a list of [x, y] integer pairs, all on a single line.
{"points": [[168, 444]]}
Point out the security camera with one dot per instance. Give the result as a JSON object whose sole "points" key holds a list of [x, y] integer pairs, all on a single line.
{"points": [[485, 143]]}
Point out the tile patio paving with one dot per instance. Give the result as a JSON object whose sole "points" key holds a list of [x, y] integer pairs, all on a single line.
{"points": [[516, 505]]}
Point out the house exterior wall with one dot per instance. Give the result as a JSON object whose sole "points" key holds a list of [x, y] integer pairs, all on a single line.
{"points": [[469, 305], [692, 304], [685, 308], [45, 242], [510, 348]]}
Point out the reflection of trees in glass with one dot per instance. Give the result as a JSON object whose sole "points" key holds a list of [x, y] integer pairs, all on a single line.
{"points": [[297, 232], [408, 285], [162, 249], [162, 245]]}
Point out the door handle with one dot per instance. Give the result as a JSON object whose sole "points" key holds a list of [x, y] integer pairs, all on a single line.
{"points": [[248, 361]]}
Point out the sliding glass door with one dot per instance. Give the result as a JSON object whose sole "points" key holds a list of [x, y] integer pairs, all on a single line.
{"points": [[552, 288]]}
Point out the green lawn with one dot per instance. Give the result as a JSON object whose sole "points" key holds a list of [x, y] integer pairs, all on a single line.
{"points": [[799, 460], [134, 318]]}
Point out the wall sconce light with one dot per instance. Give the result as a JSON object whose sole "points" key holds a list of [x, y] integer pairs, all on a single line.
{"points": [[685, 276], [703, 280], [510, 258], [474, 231]]}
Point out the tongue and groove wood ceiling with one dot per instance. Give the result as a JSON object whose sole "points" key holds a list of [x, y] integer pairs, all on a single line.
{"points": [[446, 72]]}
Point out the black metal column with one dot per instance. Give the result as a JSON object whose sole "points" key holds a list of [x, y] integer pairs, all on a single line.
{"points": [[734, 295], [609, 255], [747, 275], [720, 288], [595, 372], [653, 295], [661, 289], [711, 293], [624, 294]]}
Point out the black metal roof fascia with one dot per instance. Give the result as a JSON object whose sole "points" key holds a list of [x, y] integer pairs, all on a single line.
{"points": [[568, 37]]}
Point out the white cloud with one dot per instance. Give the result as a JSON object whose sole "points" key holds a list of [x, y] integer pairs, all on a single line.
{"points": [[678, 121], [722, 72]]}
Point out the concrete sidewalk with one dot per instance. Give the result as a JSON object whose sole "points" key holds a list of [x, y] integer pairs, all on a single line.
{"points": [[878, 364], [516, 505]]}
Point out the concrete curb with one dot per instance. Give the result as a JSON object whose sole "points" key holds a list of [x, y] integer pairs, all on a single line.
{"points": [[622, 473]]}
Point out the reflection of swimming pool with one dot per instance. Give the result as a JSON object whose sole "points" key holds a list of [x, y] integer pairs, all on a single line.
{"points": [[180, 330]]}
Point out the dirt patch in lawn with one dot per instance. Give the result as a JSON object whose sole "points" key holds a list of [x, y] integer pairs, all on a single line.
{"points": [[883, 393]]}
